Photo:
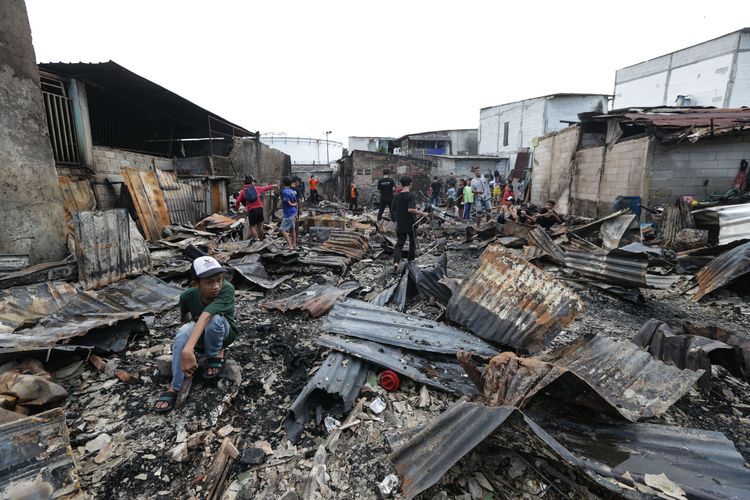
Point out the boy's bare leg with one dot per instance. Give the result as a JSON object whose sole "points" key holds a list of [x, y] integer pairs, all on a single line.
{"points": [[287, 238], [261, 234]]}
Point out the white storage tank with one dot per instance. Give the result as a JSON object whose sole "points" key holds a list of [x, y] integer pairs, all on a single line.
{"points": [[305, 150]]}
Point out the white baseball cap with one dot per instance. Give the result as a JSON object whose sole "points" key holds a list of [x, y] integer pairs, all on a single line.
{"points": [[203, 267]]}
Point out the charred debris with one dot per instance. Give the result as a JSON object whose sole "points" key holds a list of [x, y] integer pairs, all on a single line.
{"points": [[600, 358]]}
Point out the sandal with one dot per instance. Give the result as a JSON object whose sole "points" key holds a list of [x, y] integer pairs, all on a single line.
{"points": [[169, 397], [215, 363]]}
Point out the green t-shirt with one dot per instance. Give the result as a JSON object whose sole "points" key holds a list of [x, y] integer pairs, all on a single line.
{"points": [[468, 195], [190, 302]]}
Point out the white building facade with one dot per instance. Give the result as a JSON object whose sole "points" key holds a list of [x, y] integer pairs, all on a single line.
{"points": [[510, 128], [713, 73], [305, 150]]}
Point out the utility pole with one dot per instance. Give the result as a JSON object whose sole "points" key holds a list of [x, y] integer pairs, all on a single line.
{"points": [[328, 160]]}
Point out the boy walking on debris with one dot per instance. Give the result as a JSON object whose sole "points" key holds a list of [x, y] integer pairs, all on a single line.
{"points": [[289, 210], [207, 308], [250, 196], [405, 208]]}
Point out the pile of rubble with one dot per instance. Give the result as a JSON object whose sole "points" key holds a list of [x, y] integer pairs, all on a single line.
{"points": [[602, 358]]}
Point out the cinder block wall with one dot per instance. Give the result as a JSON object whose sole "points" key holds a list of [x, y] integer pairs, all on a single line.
{"points": [[679, 170], [552, 168], [368, 166]]}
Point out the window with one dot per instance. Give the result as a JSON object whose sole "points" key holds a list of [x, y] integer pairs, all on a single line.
{"points": [[59, 112], [506, 130]]}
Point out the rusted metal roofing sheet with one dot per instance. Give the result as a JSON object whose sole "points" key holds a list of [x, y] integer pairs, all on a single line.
{"points": [[363, 320], [179, 197], [428, 280], [339, 262], [723, 269], [348, 243], [444, 373], [539, 238], [622, 455], [108, 247], [332, 391], [93, 309], [726, 223], [625, 377], [36, 460], [220, 222], [688, 351], [25, 304], [148, 199], [167, 180], [617, 267], [316, 300], [510, 302]]}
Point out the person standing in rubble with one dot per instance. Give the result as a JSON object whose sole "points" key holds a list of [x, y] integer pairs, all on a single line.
{"points": [[250, 196], [740, 180], [405, 210], [480, 187], [467, 197], [385, 187], [314, 190], [353, 195], [207, 310], [435, 189], [289, 204]]}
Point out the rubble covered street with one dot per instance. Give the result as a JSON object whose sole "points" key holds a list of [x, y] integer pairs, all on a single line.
{"points": [[553, 305]]}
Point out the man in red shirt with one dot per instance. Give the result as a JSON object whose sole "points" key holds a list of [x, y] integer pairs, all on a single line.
{"points": [[314, 190], [250, 196]]}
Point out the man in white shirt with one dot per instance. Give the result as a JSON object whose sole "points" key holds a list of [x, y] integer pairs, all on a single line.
{"points": [[480, 186]]}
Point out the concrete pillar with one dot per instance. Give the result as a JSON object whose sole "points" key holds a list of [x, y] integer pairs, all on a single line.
{"points": [[82, 123], [31, 209]]}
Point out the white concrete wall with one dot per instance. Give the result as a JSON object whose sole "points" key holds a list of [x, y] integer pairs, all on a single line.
{"points": [[305, 150], [740, 95], [567, 108], [702, 72]]}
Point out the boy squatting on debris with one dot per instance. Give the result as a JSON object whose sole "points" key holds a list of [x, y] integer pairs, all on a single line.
{"points": [[209, 308]]}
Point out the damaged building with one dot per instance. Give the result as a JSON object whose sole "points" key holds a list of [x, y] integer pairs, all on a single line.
{"points": [[653, 154]]}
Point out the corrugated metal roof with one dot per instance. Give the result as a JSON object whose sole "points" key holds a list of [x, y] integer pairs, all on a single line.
{"points": [[726, 267], [729, 222], [339, 262], [610, 456], [316, 300], [148, 199], [108, 247], [618, 267], [626, 378], [23, 304], [355, 318], [93, 309], [36, 460], [250, 268], [688, 351], [740, 342], [333, 390], [444, 373], [348, 243], [510, 302], [539, 238]]}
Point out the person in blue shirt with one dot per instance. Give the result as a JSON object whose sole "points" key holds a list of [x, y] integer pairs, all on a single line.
{"points": [[289, 209]]}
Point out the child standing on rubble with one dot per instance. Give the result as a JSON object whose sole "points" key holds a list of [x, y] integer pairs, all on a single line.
{"points": [[289, 210], [405, 208], [207, 308], [468, 196]]}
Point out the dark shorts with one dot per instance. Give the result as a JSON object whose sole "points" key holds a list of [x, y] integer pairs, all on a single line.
{"points": [[255, 216]]}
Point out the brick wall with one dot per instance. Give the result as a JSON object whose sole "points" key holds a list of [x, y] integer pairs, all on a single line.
{"points": [[682, 169], [552, 168]]}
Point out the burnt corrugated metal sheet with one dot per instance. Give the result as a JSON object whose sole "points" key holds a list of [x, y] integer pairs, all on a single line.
{"points": [[348, 243], [250, 268], [108, 247], [332, 391], [612, 231], [625, 377], [179, 196], [428, 280], [316, 300], [726, 267], [363, 320], [593, 226], [93, 309], [25, 304], [740, 341], [36, 460], [167, 180], [725, 224], [444, 374], [688, 351], [541, 239], [336, 261], [148, 199], [617, 267], [510, 302], [611, 460]]}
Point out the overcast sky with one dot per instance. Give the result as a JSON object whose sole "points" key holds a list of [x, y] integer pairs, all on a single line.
{"points": [[372, 68]]}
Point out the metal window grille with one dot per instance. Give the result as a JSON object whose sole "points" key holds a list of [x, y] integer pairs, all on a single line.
{"points": [[59, 111]]}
